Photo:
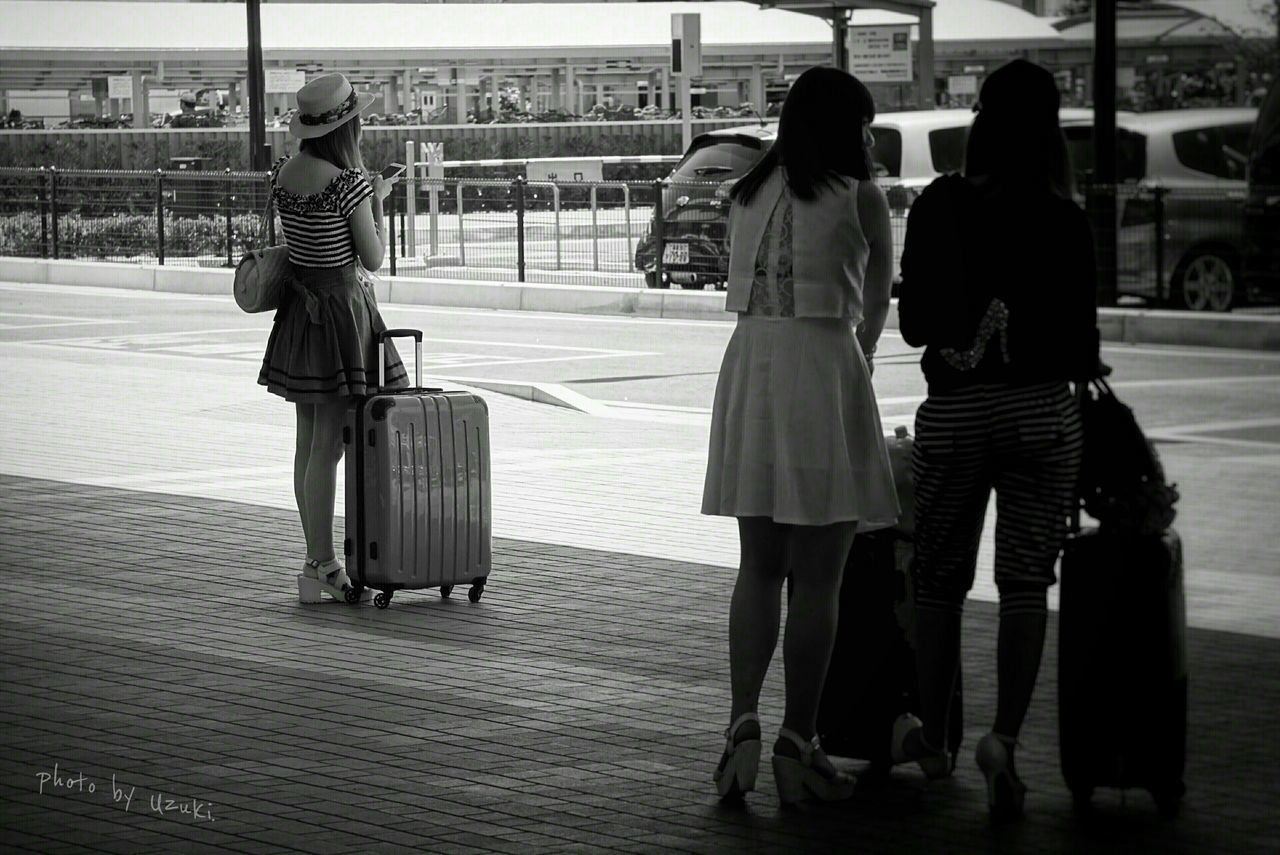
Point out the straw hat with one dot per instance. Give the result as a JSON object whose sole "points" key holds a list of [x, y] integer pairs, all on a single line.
{"points": [[325, 103]]}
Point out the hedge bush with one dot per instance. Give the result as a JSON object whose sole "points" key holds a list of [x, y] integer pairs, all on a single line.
{"points": [[129, 235]]}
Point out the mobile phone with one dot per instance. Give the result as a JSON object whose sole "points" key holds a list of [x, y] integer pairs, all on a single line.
{"points": [[393, 170]]}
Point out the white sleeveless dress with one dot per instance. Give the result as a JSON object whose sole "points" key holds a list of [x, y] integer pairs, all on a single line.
{"points": [[795, 431]]}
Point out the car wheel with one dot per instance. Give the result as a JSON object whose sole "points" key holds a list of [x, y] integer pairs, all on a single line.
{"points": [[651, 279], [694, 286], [1207, 282]]}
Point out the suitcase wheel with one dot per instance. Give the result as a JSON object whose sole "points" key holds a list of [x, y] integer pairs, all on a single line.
{"points": [[382, 600], [1082, 798], [445, 591], [354, 594], [1169, 801], [474, 594]]}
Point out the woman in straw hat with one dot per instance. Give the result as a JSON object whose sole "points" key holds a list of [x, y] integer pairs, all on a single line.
{"points": [[323, 347]]}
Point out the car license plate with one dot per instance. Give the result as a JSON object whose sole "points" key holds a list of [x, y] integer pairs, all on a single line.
{"points": [[675, 253]]}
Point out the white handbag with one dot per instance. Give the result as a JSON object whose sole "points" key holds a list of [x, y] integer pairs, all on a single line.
{"points": [[264, 273]]}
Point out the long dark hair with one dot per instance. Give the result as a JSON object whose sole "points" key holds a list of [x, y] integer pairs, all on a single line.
{"points": [[341, 146], [819, 135], [1015, 138]]}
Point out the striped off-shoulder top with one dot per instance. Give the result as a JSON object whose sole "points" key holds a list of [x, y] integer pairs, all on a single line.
{"points": [[315, 226]]}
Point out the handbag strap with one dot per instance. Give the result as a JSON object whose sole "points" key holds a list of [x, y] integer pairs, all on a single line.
{"points": [[269, 212]]}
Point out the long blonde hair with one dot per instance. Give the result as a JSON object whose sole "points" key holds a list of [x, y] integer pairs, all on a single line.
{"points": [[341, 146]]}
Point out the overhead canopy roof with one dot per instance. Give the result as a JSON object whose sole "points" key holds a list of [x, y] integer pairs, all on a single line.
{"points": [[1179, 19], [168, 27]]}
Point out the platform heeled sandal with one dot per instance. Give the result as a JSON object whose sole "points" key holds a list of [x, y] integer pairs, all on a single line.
{"points": [[736, 772], [323, 577], [799, 777], [1005, 791], [907, 745]]}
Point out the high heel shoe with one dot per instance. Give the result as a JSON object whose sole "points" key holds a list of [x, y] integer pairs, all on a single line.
{"points": [[319, 578], [1005, 791], [799, 777], [736, 772], [907, 744]]}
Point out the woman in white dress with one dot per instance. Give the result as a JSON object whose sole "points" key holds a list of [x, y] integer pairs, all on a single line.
{"points": [[797, 453]]}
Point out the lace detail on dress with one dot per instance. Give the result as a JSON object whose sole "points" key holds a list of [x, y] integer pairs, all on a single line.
{"points": [[326, 200], [995, 321], [773, 292]]}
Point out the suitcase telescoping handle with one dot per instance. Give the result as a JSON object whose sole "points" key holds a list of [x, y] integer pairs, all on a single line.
{"points": [[417, 356]]}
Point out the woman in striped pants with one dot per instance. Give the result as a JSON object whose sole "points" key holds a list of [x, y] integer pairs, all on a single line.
{"points": [[998, 280]]}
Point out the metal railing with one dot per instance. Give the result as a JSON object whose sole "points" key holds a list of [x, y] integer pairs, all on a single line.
{"points": [[1174, 245], [203, 219]]}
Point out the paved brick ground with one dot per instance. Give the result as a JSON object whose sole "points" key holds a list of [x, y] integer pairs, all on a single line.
{"points": [[153, 645]]}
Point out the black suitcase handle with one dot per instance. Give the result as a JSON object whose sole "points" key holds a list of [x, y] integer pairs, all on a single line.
{"points": [[417, 358]]}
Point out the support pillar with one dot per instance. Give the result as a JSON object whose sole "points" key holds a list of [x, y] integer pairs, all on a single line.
{"points": [[233, 97], [1105, 156], [840, 40], [924, 62], [141, 113], [757, 89], [258, 156], [665, 103], [572, 102], [460, 97], [406, 90], [555, 100], [389, 96]]}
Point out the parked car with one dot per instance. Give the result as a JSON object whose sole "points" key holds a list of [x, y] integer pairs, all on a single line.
{"points": [[1180, 202], [912, 148], [1261, 267]]}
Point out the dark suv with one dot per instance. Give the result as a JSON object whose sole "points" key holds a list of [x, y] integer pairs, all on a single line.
{"points": [[695, 207]]}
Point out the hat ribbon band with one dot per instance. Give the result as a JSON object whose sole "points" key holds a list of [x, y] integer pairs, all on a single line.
{"points": [[330, 115]]}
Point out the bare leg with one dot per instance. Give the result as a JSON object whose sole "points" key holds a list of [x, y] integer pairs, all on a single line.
{"points": [[301, 455], [320, 481], [1018, 648], [937, 664], [817, 557], [753, 613]]}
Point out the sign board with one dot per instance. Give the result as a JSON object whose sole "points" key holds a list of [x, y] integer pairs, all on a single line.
{"points": [[881, 54], [686, 44], [1157, 58], [119, 86], [433, 157], [974, 69], [282, 81], [962, 84], [565, 169]]}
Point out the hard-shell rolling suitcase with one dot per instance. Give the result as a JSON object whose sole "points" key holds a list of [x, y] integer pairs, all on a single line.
{"points": [[1122, 627], [871, 680], [1122, 665], [417, 494]]}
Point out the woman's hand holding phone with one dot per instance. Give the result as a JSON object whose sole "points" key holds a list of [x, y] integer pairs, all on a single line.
{"points": [[383, 181]]}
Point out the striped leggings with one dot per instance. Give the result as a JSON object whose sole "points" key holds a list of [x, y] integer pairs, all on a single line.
{"points": [[1025, 443]]}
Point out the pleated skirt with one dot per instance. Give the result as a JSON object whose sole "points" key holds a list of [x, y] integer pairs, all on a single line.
{"points": [[795, 432], [324, 343]]}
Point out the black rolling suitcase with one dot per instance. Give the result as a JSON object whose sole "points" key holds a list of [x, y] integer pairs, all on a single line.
{"points": [[1122, 664], [872, 677]]}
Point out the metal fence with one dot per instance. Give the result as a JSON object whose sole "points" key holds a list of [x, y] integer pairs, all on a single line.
{"points": [[1182, 247], [1185, 246], [198, 219]]}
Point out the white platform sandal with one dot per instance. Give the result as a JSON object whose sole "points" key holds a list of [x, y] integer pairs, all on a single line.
{"points": [[736, 772]]}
